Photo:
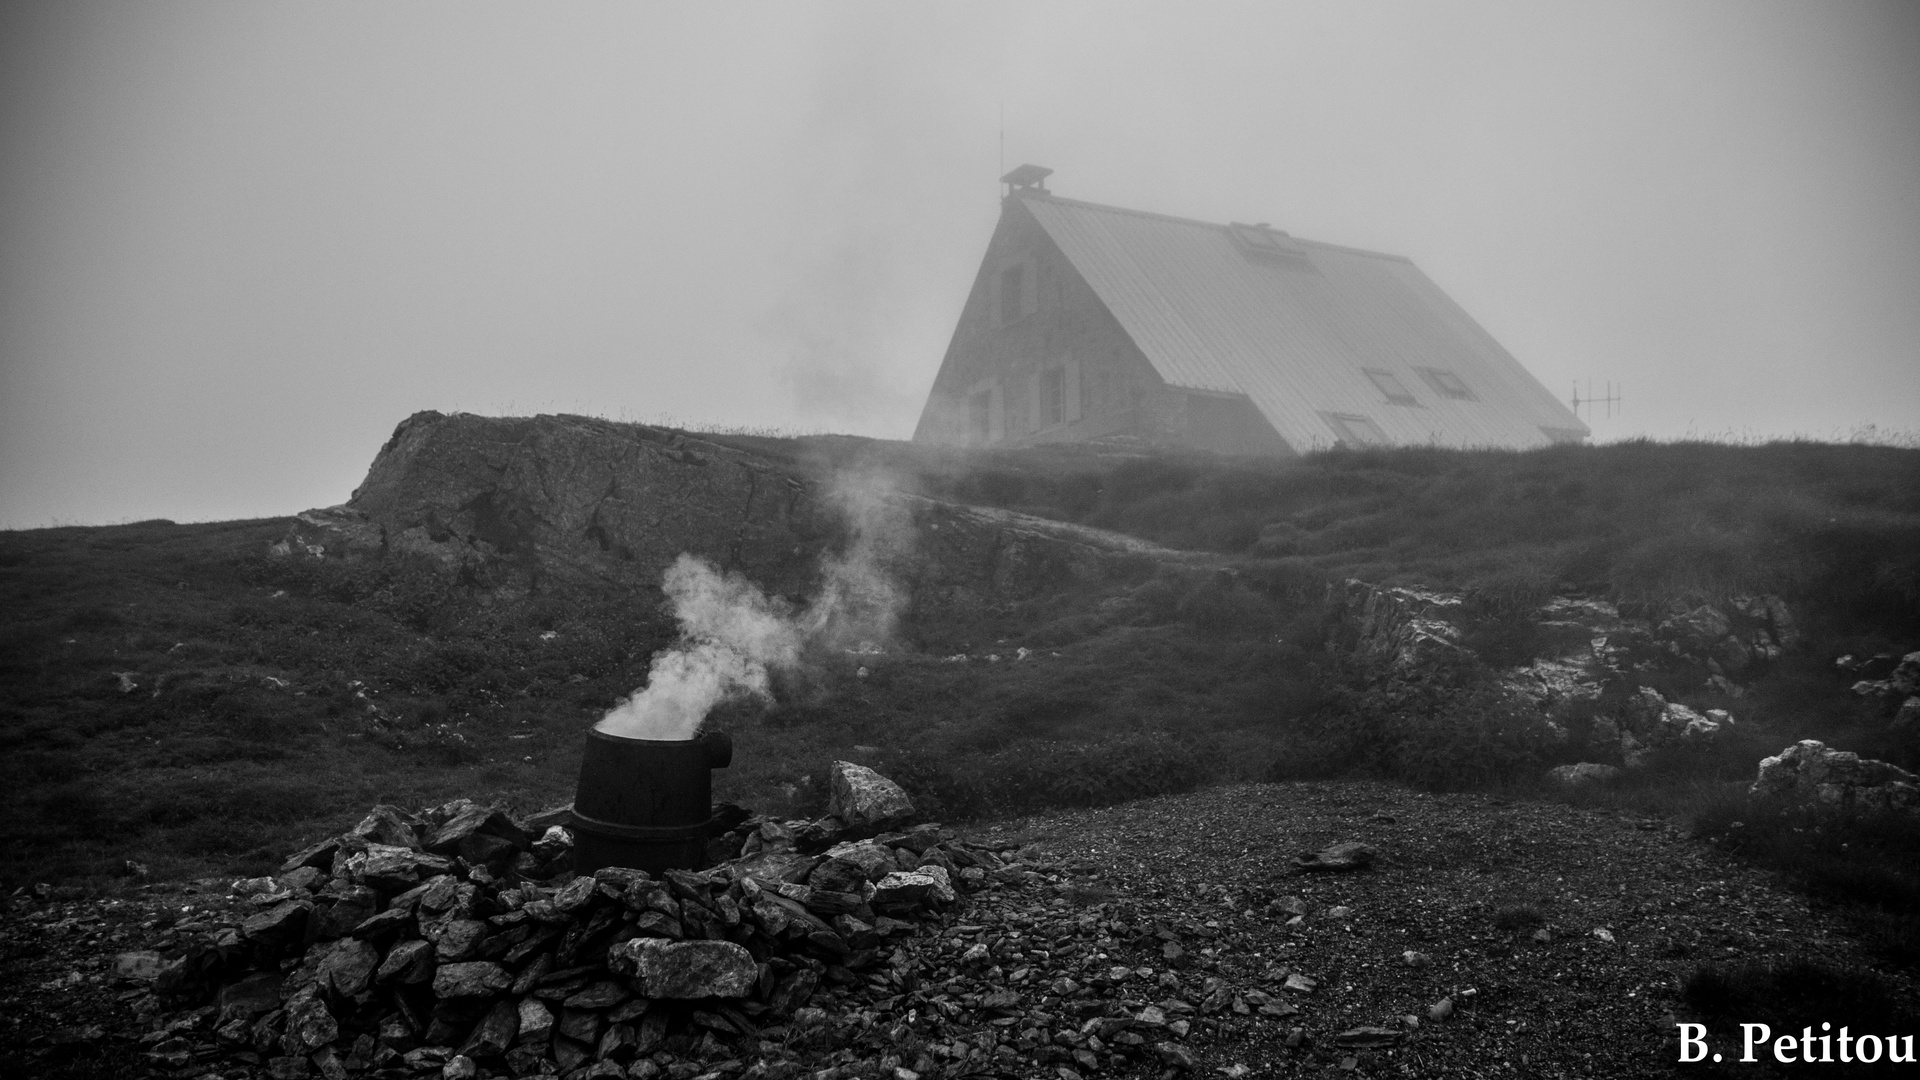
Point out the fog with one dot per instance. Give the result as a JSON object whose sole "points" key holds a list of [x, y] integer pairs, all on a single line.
{"points": [[242, 241]]}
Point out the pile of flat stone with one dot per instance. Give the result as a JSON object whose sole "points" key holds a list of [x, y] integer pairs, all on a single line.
{"points": [[1809, 771], [457, 942]]}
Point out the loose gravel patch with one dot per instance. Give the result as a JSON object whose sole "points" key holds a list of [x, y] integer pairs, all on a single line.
{"points": [[1555, 938], [1171, 937]]}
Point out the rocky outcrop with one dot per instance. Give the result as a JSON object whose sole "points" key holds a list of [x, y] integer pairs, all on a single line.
{"points": [[1399, 627], [1730, 638], [1650, 722], [1808, 770], [1593, 652], [1902, 681], [514, 505]]}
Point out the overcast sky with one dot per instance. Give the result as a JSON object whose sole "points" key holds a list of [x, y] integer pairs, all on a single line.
{"points": [[240, 241]]}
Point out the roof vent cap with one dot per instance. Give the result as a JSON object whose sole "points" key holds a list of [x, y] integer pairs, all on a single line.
{"points": [[1027, 178]]}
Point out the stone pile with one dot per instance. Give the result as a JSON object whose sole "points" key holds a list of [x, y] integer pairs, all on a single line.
{"points": [[457, 942], [1808, 770]]}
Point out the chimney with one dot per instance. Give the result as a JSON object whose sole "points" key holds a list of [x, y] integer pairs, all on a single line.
{"points": [[1027, 178]]}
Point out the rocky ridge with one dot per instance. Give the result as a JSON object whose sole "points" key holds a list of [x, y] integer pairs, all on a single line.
{"points": [[512, 505]]}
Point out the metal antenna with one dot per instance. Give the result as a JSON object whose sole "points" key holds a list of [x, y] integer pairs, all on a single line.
{"points": [[1611, 399], [1003, 140]]}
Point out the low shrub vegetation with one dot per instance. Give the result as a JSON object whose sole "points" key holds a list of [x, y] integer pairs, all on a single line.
{"points": [[172, 696]]}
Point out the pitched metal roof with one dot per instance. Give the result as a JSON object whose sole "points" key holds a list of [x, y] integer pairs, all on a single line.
{"points": [[1307, 335]]}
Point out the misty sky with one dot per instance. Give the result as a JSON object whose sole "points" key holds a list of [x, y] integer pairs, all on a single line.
{"points": [[240, 241]]}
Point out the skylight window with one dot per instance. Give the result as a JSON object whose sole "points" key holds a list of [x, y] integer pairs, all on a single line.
{"points": [[1390, 385], [1447, 384], [1355, 431], [1270, 245]]}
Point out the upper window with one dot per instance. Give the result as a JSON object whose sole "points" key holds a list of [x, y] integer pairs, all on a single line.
{"points": [[1390, 385], [1018, 296], [1446, 383]]}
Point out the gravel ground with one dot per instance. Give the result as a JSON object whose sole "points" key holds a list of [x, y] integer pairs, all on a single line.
{"points": [[1166, 936], [1552, 997]]}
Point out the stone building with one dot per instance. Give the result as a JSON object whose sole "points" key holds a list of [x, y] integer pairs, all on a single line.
{"points": [[1092, 322]]}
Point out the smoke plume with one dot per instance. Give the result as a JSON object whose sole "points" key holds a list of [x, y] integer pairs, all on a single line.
{"points": [[860, 601], [732, 635]]}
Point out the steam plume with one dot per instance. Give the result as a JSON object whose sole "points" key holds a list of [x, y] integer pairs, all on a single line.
{"points": [[732, 635], [860, 601]]}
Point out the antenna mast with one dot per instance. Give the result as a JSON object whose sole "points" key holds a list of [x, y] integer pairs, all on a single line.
{"points": [[1610, 399]]}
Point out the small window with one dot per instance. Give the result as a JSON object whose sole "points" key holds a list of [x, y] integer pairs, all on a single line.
{"points": [[1390, 385], [1018, 296], [1446, 383], [1053, 397], [1564, 436], [1355, 431]]}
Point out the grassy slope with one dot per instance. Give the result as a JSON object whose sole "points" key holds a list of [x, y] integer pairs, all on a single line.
{"points": [[1134, 685]]}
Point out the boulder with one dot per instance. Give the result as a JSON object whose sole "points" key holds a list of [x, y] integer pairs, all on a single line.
{"points": [[407, 963], [1585, 773], [556, 841], [495, 1031], [864, 799], [1347, 855], [249, 997], [1367, 1038], [902, 889], [319, 856], [348, 967], [536, 1020], [874, 860], [304, 877], [473, 979], [1707, 726], [387, 825], [280, 925], [384, 927], [838, 875], [310, 1024], [142, 966], [478, 834], [389, 868], [351, 907], [771, 866], [685, 969], [1808, 770]]}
